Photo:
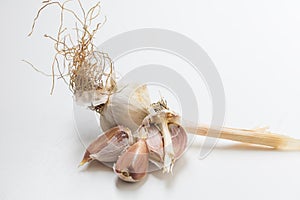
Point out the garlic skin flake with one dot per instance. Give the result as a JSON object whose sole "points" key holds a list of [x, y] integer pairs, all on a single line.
{"points": [[108, 146], [132, 165]]}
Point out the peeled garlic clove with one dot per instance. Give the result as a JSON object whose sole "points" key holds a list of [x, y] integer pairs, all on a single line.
{"points": [[108, 146], [132, 165], [179, 139], [128, 106]]}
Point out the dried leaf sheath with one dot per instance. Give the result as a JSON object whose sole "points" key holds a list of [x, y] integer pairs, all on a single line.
{"points": [[255, 136]]}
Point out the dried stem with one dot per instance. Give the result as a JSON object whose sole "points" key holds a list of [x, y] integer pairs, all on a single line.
{"points": [[255, 136]]}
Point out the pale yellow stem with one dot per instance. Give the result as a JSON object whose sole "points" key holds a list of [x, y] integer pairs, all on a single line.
{"points": [[255, 136]]}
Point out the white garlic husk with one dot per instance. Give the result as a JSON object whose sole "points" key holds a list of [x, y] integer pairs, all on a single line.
{"points": [[109, 145], [128, 106]]}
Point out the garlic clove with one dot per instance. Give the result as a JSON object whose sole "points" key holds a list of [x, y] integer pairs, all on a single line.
{"points": [[154, 142], [155, 145], [179, 139], [161, 119], [108, 146], [132, 165]]}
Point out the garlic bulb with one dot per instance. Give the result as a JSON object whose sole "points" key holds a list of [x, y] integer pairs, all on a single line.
{"points": [[128, 106], [108, 146], [160, 138], [132, 165], [157, 134]]}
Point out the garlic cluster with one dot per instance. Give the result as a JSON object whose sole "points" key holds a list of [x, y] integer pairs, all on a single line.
{"points": [[136, 131], [160, 139]]}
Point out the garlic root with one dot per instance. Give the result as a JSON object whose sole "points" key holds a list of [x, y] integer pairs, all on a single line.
{"points": [[254, 136]]}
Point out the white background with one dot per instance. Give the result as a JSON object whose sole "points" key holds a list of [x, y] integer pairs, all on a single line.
{"points": [[255, 46]]}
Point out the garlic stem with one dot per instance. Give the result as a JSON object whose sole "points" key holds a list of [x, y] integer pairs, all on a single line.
{"points": [[255, 136]]}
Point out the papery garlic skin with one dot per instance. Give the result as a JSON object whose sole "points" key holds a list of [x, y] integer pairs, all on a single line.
{"points": [[132, 165], [128, 106], [108, 146]]}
